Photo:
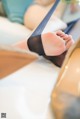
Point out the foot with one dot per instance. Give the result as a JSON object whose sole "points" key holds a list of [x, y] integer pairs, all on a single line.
{"points": [[56, 43], [67, 38]]}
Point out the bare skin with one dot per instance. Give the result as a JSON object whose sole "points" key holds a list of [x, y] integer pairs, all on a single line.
{"points": [[36, 12], [44, 2], [56, 43], [73, 8], [53, 43]]}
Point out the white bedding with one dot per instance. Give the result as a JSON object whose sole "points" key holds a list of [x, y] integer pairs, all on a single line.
{"points": [[26, 93]]}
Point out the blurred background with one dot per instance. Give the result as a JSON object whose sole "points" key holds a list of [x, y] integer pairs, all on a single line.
{"points": [[18, 19]]}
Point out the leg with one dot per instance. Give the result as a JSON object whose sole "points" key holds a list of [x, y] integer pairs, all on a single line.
{"points": [[34, 16], [21, 44]]}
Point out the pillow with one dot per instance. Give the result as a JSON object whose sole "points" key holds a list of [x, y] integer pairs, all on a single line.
{"points": [[15, 9]]}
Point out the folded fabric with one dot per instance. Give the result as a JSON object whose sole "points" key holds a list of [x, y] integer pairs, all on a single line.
{"points": [[15, 9]]}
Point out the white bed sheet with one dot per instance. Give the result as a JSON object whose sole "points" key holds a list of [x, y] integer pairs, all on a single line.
{"points": [[26, 93]]}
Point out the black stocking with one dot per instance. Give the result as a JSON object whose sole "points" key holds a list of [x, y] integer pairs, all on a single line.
{"points": [[35, 42]]}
